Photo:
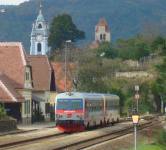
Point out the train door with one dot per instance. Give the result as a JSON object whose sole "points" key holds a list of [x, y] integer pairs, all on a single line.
{"points": [[86, 109], [106, 103], [103, 108]]}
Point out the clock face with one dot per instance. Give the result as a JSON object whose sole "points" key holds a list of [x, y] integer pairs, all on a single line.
{"points": [[39, 37]]}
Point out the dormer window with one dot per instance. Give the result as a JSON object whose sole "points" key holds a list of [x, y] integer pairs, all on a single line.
{"points": [[39, 26], [27, 76]]}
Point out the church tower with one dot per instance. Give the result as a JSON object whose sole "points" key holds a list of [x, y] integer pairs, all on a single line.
{"points": [[39, 36], [102, 32]]}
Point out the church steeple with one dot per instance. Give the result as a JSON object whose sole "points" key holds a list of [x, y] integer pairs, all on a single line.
{"points": [[39, 36]]}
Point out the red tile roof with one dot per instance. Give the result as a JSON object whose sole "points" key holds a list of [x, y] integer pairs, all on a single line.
{"points": [[8, 92], [41, 72], [13, 62], [102, 22], [59, 69]]}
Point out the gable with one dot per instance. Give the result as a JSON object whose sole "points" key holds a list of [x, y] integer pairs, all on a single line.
{"points": [[13, 62], [8, 92], [59, 69], [41, 72]]}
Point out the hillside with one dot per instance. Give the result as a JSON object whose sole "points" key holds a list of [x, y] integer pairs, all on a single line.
{"points": [[125, 18]]}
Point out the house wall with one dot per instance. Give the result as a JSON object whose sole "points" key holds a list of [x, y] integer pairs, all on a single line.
{"points": [[26, 118], [46, 96], [52, 97]]}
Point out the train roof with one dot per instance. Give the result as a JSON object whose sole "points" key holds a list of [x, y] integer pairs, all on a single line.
{"points": [[86, 95]]}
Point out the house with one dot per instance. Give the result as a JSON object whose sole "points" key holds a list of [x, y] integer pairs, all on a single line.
{"points": [[16, 81], [59, 70], [43, 81]]}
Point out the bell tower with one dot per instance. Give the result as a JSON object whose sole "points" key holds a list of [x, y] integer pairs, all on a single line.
{"points": [[39, 36], [102, 31]]}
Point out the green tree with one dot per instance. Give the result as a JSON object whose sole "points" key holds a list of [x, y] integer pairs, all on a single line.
{"points": [[161, 81], [108, 49], [63, 29], [133, 48]]}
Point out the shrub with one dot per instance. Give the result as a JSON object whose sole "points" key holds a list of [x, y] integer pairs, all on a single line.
{"points": [[3, 113]]}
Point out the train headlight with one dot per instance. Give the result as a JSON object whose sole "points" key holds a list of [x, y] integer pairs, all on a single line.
{"points": [[58, 115], [80, 116]]}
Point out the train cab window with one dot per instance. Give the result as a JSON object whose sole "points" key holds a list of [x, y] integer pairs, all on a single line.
{"points": [[76, 104], [100, 105], [63, 104]]}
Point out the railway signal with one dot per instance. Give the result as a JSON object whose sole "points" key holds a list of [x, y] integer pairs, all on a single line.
{"points": [[137, 95]]}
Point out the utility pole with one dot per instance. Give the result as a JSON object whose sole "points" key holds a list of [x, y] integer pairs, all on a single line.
{"points": [[68, 41]]}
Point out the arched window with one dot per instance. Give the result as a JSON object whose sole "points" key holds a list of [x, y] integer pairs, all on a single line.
{"points": [[39, 26], [100, 36], [104, 37], [39, 47]]}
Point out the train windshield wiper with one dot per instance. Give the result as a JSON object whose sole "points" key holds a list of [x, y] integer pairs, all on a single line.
{"points": [[65, 107]]}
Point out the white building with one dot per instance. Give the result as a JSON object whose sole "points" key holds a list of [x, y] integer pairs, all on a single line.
{"points": [[39, 36]]}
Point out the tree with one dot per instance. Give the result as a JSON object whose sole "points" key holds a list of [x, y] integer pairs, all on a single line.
{"points": [[63, 29], [161, 81], [133, 48], [108, 49]]}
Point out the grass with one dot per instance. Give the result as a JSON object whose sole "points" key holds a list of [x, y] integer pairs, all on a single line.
{"points": [[143, 146]]}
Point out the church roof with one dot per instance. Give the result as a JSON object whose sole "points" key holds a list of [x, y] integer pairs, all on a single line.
{"points": [[40, 16], [59, 69], [13, 60], [41, 72], [8, 92], [102, 22]]}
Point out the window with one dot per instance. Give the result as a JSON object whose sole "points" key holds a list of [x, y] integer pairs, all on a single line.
{"points": [[39, 47], [39, 26], [47, 108], [27, 107], [27, 76], [76, 104], [112, 105], [100, 36], [63, 104], [104, 37]]}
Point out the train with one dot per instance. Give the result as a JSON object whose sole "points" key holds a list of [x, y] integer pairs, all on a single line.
{"points": [[75, 111]]}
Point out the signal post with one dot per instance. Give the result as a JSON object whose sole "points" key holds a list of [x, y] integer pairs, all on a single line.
{"points": [[137, 95]]}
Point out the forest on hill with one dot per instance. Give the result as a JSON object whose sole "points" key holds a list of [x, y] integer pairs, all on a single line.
{"points": [[125, 18]]}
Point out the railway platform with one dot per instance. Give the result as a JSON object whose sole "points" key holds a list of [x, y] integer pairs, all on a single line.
{"points": [[36, 126]]}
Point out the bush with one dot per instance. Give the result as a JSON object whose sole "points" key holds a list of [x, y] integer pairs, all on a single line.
{"points": [[3, 113]]}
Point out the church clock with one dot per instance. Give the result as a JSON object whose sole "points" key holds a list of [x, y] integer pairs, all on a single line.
{"points": [[39, 37]]}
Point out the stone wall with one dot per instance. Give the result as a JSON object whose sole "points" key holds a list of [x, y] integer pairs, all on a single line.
{"points": [[8, 125], [134, 74]]}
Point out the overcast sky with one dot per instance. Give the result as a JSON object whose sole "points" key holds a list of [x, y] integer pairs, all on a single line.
{"points": [[11, 2]]}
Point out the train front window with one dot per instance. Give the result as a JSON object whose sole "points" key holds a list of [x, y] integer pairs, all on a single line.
{"points": [[63, 104], [76, 104]]}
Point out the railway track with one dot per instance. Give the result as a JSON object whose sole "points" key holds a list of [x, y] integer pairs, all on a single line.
{"points": [[103, 138], [75, 144], [22, 131], [29, 141]]}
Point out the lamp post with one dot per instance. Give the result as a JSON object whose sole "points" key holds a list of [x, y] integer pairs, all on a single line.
{"points": [[68, 41], [135, 118]]}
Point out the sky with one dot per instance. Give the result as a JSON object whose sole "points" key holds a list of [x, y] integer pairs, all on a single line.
{"points": [[11, 2]]}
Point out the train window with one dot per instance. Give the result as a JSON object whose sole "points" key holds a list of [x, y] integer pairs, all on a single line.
{"points": [[76, 104], [100, 105], [63, 104]]}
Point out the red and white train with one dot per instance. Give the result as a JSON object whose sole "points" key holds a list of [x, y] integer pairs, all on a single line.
{"points": [[74, 111]]}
